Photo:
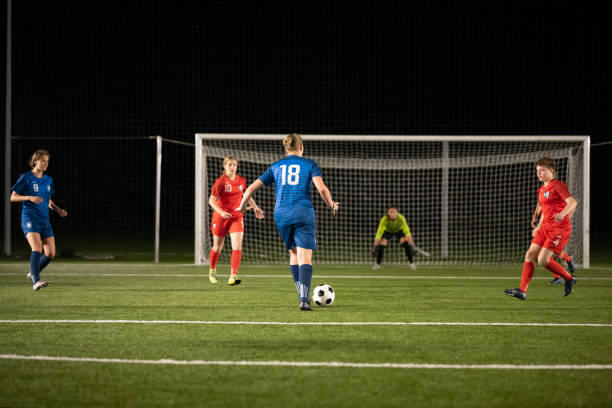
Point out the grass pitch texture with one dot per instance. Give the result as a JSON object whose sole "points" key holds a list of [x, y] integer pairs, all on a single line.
{"points": [[112, 334]]}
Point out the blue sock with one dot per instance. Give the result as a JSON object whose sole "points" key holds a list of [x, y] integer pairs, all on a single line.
{"points": [[35, 265], [44, 261], [304, 283], [295, 271]]}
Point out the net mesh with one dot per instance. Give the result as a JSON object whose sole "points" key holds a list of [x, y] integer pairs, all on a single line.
{"points": [[465, 202]]}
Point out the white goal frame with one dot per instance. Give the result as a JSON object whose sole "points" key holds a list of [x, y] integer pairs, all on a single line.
{"points": [[202, 235]]}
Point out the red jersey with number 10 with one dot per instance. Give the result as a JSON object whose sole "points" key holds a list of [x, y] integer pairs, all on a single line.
{"points": [[229, 193], [552, 199]]}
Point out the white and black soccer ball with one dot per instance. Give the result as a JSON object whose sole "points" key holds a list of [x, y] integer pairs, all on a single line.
{"points": [[323, 295]]}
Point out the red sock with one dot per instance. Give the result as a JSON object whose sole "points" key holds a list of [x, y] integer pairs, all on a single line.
{"points": [[236, 256], [528, 268], [213, 257], [557, 269], [565, 256]]}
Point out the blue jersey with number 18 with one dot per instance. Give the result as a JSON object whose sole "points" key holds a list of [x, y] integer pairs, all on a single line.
{"points": [[293, 177]]}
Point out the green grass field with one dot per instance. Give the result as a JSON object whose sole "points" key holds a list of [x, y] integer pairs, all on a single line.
{"points": [[175, 346]]}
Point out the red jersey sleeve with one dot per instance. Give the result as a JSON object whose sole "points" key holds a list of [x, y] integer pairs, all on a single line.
{"points": [[216, 188], [561, 189]]}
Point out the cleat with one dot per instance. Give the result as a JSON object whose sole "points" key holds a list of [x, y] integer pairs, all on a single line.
{"points": [[305, 306], [412, 266], [517, 293], [376, 266], [571, 266], [556, 281], [569, 287], [30, 277], [212, 276], [233, 280], [40, 284]]}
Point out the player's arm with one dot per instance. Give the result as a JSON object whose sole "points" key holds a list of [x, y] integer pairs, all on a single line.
{"points": [[17, 198], [569, 209], [259, 213], [325, 194], [256, 185], [212, 201], [406, 230], [380, 231], [536, 212], [52, 206]]}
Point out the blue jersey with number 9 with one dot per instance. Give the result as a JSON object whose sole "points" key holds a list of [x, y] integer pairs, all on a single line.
{"points": [[292, 177]]}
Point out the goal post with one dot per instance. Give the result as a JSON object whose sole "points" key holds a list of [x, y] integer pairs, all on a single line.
{"points": [[467, 199]]}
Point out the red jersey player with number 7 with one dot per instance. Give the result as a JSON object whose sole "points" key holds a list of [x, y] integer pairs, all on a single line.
{"points": [[552, 233]]}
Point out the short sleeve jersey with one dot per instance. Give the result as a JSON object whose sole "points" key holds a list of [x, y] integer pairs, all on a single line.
{"points": [[30, 185], [292, 177], [552, 199], [392, 226], [229, 193]]}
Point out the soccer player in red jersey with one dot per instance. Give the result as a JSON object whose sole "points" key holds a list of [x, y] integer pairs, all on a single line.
{"points": [[225, 196], [564, 255], [552, 233]]}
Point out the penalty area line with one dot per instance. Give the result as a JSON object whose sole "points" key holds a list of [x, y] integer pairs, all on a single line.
{"points": [[250, 323], [332, 364]]}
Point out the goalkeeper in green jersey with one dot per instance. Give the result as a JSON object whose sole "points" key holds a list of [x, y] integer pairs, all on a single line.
{"points": [[393, 224]]}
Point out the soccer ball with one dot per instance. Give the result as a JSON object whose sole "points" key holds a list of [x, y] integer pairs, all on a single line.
{"points": [[323, 295]]}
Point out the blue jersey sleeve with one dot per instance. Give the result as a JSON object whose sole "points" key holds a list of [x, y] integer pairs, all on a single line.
{"points": [[21, 186], [51, 187], [268, 177], [316, 170]]}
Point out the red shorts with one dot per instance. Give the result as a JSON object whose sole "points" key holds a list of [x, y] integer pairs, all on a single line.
{"points": [[221, 226], [554, 239]]}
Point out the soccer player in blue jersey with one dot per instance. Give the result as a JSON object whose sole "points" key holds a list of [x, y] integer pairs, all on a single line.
{"points": [[34, 190], [294, 213]]}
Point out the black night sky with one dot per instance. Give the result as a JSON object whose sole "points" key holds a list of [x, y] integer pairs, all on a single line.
{"points": [[127, 68]]}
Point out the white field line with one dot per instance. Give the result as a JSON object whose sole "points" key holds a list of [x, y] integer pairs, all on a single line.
{"points": [[106, 265], [250, 323], [193, 275], [337, 364]]}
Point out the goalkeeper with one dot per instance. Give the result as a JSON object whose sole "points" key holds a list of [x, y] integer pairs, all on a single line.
{"points": [[393, 224]]}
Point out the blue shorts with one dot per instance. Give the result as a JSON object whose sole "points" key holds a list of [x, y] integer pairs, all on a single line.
{"points": [[36, 224], [300, 234]]}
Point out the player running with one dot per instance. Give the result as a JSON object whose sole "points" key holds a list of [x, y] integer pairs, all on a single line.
{"points": [[563, 255], [294, 213], [552, 233], [225, 196], [393, 224], [34, 190]]}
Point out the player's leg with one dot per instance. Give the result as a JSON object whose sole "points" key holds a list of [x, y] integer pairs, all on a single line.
{"points": [[528, 267], [305, 241], [556, 280], [218, 227], [236, 239], [568, 259], [380, 251], [286, 233], [304, 256], [295, 269], [48, 241], [408, 244], [546, 260], [215, 252], [37, 246], [556, 241]]}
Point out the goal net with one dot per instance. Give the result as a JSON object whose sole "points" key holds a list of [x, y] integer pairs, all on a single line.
{"points": [[467, 199]]}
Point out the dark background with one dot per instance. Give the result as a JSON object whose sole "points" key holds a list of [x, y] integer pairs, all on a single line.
{"points": [[125, 69]]}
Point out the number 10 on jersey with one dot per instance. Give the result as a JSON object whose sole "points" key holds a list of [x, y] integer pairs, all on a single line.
{"points": [[291, 174]]}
